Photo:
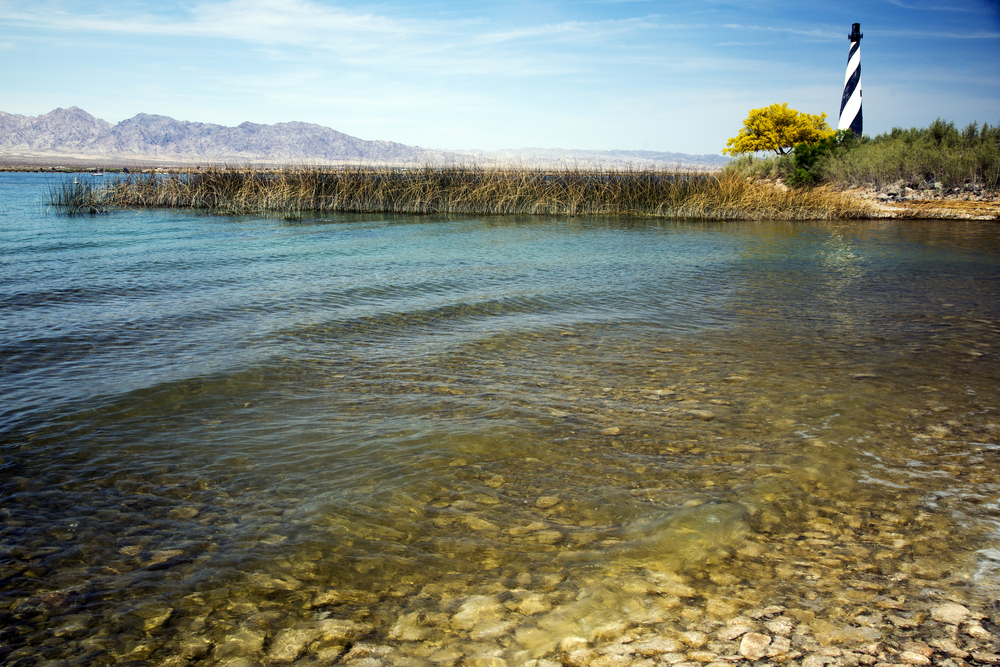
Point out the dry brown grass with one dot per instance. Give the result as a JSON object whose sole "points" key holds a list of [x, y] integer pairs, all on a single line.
{"points": [[475, 190]]}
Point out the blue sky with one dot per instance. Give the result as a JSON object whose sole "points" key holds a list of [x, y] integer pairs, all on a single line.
{"points": [[490, 74]]}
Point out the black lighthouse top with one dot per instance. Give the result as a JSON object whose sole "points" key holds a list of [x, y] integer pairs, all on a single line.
{"points": [[855, 35]]}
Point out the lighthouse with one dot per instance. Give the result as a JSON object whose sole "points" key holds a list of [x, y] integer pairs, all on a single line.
{"points": [[850, 102]]}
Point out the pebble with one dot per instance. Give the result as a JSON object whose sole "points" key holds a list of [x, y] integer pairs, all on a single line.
{"points": [[754, 645], [952, 613], [290, 643], [545, 502]]}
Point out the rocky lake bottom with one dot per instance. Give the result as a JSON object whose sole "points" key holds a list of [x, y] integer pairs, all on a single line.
{"points": [[438, 441]]}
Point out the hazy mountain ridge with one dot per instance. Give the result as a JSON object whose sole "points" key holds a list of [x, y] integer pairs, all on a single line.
{"points": [[74, 132], [590, 158]]}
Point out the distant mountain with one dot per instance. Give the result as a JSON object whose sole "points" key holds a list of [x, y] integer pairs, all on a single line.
{"points": [[74, 133], [609, 159]]}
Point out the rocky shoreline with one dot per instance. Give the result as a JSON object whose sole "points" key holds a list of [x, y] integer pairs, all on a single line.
{"points": [[892, 634], [971, 202]]}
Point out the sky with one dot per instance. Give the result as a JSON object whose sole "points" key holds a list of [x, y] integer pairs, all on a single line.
{"points": [[494, 74]]}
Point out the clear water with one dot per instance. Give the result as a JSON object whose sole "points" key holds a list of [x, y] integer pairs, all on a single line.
{"points": [[208, 423]]}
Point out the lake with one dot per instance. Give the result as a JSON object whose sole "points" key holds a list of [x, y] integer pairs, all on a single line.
{"points": [[487, 440]]}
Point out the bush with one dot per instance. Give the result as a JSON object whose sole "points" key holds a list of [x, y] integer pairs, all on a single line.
{"points": [[809, 159], [919, 157], [757, 167]]}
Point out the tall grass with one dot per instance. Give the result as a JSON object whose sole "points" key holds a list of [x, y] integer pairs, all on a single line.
{"points": [[477, 190]]}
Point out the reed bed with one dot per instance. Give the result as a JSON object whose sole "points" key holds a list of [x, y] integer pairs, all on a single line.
{"points": [[289, 192]]}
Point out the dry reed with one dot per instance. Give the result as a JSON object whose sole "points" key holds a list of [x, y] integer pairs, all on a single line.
{"points": [[475, 190]]}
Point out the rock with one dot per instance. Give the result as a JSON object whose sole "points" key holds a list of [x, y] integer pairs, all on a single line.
{"points": [[754, 645], [704, 415], [490, 629], [476, 609], [901, 622], [611, 430], [548, 536], [694, 639], [245, 641], [154, 616], [949, 647], [951, 613], [720, 608], [702, 656], [781, 626], [816, 660], [779, 646], [363, 651], [975, 629], [290, 643], [913, 658], [330, 654], [408, 628], [731, 632], [767, 611], [570, 644], [237, 662], [532, 603], [545, 502], [583, 657], [476, 523], [342, 630], [657, 646], [194, 647], [670, 584]]}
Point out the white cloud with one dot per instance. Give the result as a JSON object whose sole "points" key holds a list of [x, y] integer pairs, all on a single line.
{"points": [[825, 35], [926, 6]]}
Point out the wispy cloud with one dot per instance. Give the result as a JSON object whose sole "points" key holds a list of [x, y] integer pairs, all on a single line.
{"points": [[936, 7], [274, 27], [936, 34], [814, 33]]}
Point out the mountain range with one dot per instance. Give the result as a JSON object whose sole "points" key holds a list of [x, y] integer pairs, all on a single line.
{"points": [[76, 135]]}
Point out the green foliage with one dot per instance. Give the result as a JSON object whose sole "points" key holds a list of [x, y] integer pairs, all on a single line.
{"points": [[767, 167], [919, 158], [809, 159]]}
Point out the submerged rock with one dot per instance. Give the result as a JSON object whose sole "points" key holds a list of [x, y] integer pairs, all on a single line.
{"points": [[952, 613]]}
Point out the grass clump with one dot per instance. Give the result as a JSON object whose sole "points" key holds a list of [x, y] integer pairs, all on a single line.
{"points": [[288, 192]]}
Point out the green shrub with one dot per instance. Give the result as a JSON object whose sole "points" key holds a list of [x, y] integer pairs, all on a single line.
{"points": [[919, 158], [808, 160], [757, 167]]}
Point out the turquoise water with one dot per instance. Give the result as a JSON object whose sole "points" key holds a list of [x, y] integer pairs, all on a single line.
{"points": [[385, 419]]}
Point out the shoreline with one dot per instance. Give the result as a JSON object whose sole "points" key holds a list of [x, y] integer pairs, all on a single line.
{"points": [[871, 204]]}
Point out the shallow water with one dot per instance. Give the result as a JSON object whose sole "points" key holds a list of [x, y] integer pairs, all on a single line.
{"points": [[469, 437]]}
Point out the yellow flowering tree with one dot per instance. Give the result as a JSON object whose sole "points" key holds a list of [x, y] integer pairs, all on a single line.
{"points": [[778, 128]]}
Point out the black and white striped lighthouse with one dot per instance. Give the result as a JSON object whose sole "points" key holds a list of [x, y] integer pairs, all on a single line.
{"points": [[850, 102]]}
